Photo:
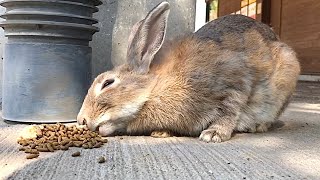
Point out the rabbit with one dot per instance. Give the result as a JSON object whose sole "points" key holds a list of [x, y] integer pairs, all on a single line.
{"points": [[232, 75]]}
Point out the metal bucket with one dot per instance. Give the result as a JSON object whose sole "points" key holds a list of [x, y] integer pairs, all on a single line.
{"points": [[47, 58]]}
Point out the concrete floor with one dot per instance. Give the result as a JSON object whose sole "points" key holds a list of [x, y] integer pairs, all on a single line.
{"points": [[291, 150]]}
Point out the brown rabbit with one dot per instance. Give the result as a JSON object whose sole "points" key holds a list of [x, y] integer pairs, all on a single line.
{"points": [[231, 75]]}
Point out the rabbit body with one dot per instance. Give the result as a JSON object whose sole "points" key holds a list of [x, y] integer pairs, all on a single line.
{"points": [[231, 75]]}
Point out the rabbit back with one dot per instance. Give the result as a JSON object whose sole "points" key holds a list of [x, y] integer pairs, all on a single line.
{"points": [[235, 25], [234, 64]]}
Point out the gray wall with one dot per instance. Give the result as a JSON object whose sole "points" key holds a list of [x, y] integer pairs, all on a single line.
{"points": [[116, 17]]}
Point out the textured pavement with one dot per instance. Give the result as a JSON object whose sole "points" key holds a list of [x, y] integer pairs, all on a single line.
{"points": [[291, 150]]}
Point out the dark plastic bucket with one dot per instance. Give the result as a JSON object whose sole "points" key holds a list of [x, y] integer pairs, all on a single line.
{"points": [[47, 58]]}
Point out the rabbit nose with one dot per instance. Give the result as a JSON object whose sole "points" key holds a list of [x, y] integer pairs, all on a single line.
{"points": [[82, 120]]}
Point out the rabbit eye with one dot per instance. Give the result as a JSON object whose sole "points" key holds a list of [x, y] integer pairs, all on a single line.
{"points": [[107, 83]]}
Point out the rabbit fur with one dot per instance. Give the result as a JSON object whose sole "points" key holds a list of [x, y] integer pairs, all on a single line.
{"points": [[232, 75]]}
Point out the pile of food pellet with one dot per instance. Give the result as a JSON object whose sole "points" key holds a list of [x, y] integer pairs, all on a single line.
{"points": [[53, 137]]}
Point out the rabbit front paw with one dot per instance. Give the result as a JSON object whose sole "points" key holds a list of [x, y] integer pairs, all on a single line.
{"points": [[215, 135], [263, 127]]}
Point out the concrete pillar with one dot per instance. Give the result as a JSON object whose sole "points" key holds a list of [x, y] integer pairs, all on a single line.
{"points": [[116, 17], [2, 42]]}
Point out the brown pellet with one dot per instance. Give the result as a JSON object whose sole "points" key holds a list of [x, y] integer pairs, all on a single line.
{"points": [[24, 143], [31, 156], [70, 144], [31, 151], [61, 128], [77, 143], [85, 146], [50, 128], [39, 133], [99, 139], [97, 145], [52, 137], [42, 149], [32, 146], [56, 147], [94, 141], [49, 146], [90, 145], [52, 134], [76, 154], [101, 159], [64, 148], [64, 142], [59, 139]]}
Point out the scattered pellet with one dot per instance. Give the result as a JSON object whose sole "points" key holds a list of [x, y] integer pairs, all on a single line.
{"points": [[31, 156], [101, 159], [76, 154]]}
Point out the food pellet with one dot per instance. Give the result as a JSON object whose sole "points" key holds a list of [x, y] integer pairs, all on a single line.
{"points": [[76, 154], [31, 156], [56, 147], [90, 145], [102, 140], [64, 148], [97, 145], [101, 159], [31, 151], [32, 146], [54, 137], [42, 149], [50, 147]]}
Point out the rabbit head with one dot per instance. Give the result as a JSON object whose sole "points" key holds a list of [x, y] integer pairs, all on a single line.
{"points": [[116, 96]]}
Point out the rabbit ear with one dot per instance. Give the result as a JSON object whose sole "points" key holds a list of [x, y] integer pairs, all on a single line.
{"points": [[146, 38]]}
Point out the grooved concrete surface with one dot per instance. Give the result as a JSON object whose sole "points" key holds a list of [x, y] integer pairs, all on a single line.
{"points": [[291, 150]]}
